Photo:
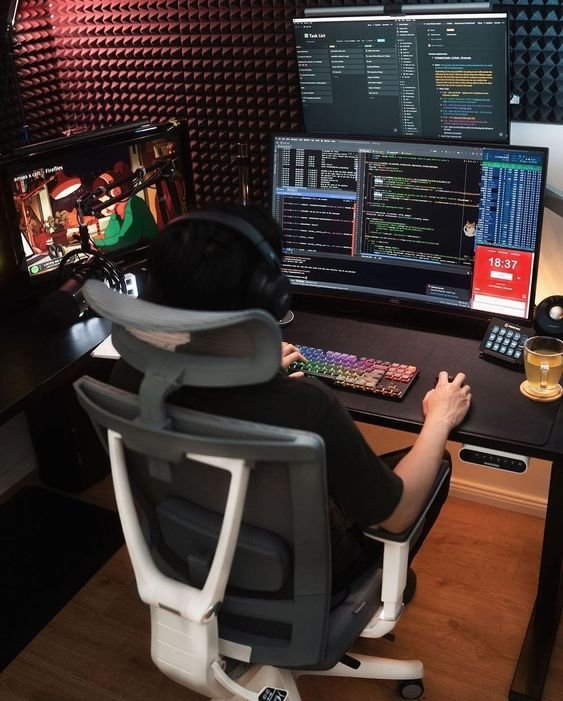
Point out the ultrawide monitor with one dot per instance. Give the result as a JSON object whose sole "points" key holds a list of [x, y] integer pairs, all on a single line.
{"points": [[123, 184], [421, 76], [451, 228]]}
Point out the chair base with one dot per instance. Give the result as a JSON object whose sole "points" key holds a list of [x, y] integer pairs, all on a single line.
{"points": [[372, 667], [260, 677], [257, 678]]}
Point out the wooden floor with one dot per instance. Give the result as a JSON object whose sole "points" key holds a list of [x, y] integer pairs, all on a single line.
{"points": [[476, 581]]}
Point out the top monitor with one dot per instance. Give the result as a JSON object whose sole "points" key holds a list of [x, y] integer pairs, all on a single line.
{"points": [[429, 76]]}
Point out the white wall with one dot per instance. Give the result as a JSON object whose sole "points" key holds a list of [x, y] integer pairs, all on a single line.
{"points": [[550, 274], [550, 135]]}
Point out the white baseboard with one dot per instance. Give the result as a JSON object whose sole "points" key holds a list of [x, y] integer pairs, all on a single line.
{"points": [[502, 499]]}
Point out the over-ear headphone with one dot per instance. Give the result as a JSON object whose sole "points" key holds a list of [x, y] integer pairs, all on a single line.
{"points": [[268, 287]]}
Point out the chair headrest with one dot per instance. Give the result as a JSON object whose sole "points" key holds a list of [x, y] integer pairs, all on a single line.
{"points": [[177, 347]]}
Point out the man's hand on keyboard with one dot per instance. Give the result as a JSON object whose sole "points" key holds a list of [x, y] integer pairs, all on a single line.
{"points": [[290, 354]]}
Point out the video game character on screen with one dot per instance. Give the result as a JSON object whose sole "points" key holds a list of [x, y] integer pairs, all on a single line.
{"points": [[126, 222]]}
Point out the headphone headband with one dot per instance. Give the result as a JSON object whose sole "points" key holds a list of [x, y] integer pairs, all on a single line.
{"points": [[268, 288], [238, 224]]}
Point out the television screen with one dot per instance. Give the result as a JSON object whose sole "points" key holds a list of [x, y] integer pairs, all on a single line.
{"points": [[422, 76], [452, 228], [121, 184]]}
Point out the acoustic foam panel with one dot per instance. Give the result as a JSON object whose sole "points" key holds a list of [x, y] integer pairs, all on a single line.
{"points": [[227, 67]]}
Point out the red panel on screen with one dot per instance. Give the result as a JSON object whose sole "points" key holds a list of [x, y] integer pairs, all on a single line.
{"points": [[501, 272]]}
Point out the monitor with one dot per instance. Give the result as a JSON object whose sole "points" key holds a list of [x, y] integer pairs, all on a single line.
{"points": [[428, 76], [448, 227], [122, 184]]}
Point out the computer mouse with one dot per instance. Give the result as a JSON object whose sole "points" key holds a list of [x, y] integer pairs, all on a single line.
{"points": [[450, 379]]}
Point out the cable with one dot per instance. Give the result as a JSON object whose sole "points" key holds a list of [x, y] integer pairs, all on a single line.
{"points": [[64, 306], [81, 265]]}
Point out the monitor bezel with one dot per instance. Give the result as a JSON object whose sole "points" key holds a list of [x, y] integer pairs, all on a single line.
{"points": [[379, 305], [414, 15]]}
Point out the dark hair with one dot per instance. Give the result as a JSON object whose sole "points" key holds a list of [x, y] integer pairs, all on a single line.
{"points": [[206, 265]]}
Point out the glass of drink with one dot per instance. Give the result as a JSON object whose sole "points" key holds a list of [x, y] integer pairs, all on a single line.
{"points": [[543, 363]]}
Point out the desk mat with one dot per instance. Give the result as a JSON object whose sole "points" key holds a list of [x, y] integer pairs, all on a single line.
{"points": [[50, 546], [498, 411]]}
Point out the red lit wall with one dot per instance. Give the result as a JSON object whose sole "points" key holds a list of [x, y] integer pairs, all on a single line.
{"points": [[227, 67]]}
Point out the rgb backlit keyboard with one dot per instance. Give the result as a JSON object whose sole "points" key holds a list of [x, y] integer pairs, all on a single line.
{"points": [[380, 377]]}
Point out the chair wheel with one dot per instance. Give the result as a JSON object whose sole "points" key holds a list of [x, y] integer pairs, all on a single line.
{"points": [[411, 689]]}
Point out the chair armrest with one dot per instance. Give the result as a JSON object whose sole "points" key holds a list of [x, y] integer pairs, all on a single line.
{"points": [[396, 562], [379, 533]]}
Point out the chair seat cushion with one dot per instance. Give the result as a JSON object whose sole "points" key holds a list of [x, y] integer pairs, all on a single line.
{"points": [[351, 615]]}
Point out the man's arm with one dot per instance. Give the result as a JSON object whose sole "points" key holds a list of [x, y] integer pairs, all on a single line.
{"points": [[443, 407]]}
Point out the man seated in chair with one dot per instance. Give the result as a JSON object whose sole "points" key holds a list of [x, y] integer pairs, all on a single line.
{"points": [[213, 264]]}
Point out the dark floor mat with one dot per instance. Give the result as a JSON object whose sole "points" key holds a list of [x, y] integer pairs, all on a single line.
{"points": [[50, 546]]}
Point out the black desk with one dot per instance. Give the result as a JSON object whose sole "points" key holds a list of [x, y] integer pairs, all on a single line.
{"points": [[500, 418], [34, 364]]}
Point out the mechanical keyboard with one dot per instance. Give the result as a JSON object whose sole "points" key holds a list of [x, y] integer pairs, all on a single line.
{"points": [[380, 377]]}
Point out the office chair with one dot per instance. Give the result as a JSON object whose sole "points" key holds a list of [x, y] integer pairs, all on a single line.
{"points": [[226, 521]]}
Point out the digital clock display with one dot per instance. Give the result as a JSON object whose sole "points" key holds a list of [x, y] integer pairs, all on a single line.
{"points": [[502, 280], [505, 263]]}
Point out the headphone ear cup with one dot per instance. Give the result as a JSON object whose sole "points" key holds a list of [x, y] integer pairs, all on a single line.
{"points": [[269, 290], [281, 296]]}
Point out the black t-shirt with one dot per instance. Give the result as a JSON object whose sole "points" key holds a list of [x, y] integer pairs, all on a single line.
{"points": [[363, 488]]}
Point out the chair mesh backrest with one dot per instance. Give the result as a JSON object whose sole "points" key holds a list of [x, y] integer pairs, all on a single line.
{"points": [[279, 594], [176, 347]]}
